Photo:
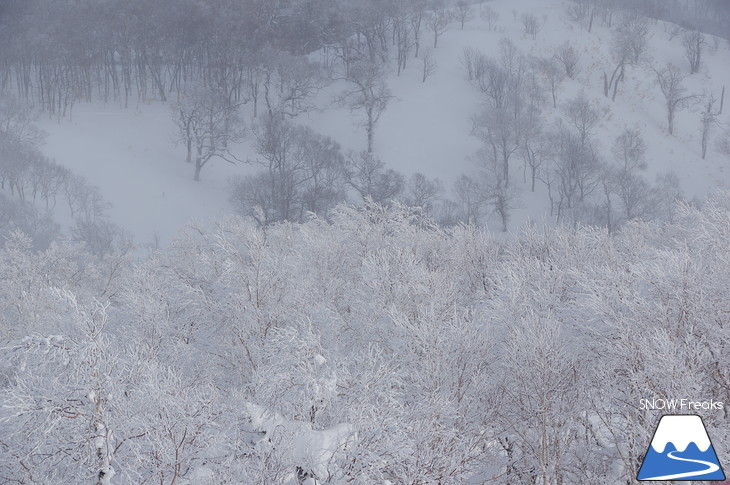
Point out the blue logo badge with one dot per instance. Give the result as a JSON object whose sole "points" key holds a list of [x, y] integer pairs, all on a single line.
{"points": [[681, 450]]}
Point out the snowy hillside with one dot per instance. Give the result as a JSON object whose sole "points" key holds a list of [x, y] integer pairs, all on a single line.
{"points": [[131, 155]]}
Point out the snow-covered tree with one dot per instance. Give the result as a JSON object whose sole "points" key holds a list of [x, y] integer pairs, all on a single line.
{"points": [[59, 408]]}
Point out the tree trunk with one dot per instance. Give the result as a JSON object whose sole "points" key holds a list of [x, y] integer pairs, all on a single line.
{"points": [[370, 128], [198, 168], [722, 100], [555, 98], [189, 142], [505, 166], [615, 85], [590, 23], [534, 174], [199, 162]]}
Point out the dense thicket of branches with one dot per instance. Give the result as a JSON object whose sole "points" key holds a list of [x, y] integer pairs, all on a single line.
{"points": [[51, 52], [208, 57], [710, 16], [374, 348], [58, 52], [32, 186]]}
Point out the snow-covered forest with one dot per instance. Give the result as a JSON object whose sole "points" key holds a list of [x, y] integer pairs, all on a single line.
{"points": [[398, 242], [375, 348]]}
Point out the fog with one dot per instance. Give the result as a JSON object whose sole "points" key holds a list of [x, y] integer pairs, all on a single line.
{"points": [[363, 241]]}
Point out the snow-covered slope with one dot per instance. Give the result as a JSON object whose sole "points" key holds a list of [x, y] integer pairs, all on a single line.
{"points": [[130, 153]]}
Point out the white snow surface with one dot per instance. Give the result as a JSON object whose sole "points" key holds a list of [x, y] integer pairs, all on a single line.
{"points": [[313, 449], [681, 430], [130, 154]]}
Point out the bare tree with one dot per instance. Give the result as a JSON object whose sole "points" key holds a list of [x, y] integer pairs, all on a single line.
{"points": [[429, 65], [515, 101], [536, 150], [438, 22], [628, 153], [673, 30], [493, 181], [531, 24], [74, 192], [593, 7], [552, 73], [693, 42], [403, 40], [368, 92], [289, 82], [368, 176], [14, 163], [208, 124], [722, 100], [302, 172], [470, 197], [582, 116], [325, 174], [629, 150], [52, 182], [628, 46], [448, 213], [493, 81], [501, 132], [569, 59], [21, 162], [511, 61], [670, 80], [616, 76], [631, 37], [578, 10], [709, 118], [470, 58], [252, 196], [416, 13], [423, 192], [576, 169], [534, 146], [17, 122], [532, 98], [490, 16], [665, 195], [463, 12]]}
